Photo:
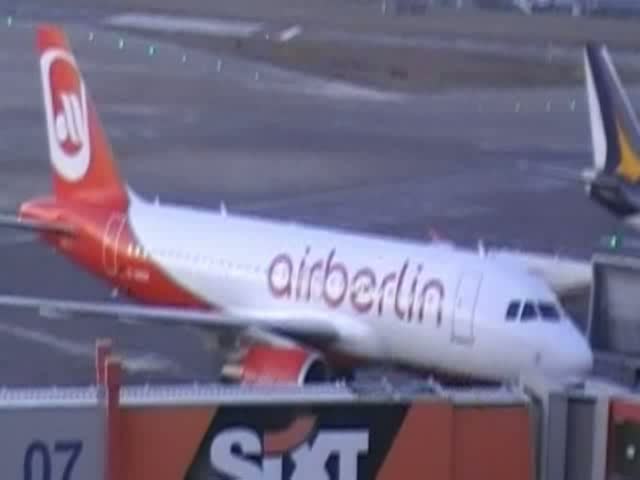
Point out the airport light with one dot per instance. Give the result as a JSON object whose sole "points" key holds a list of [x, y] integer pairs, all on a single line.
{"points": [[9, 20], [613, 241], [618, 241]]}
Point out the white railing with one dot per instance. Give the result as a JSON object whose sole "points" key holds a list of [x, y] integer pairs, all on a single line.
{"points": [[214, 393]]}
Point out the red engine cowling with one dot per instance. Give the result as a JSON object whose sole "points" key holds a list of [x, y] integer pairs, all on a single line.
{"points": [[265, 364]]}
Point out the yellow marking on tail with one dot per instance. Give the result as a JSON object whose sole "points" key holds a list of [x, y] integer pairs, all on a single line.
{"points": [[629, 166]]}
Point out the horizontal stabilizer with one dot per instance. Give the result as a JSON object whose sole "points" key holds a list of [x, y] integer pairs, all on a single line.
{"points": [[11, 221], [302, 324], [561, 173]]}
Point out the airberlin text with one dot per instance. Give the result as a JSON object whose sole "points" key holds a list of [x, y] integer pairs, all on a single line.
{"points": [[416, 296]]}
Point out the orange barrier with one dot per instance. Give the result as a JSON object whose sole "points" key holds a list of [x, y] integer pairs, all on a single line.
{"points": [[429, 438], [492, 442]]}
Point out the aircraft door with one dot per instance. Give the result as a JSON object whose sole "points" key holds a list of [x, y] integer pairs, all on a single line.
{"points": [[464, 307], [110, 243]]}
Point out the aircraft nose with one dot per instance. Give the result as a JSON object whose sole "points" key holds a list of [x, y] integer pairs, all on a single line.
{"points": [[572, 359], [581, 357]]}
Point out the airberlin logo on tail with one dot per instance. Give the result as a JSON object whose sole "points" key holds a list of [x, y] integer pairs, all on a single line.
{"points": [[70, 123], [65, 103]]}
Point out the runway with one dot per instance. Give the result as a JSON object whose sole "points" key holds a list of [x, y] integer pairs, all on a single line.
{"points": [[197, 128]]}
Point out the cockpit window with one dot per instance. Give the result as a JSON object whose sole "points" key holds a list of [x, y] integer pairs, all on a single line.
{"points": [[548, 311], [512, 310], [528, 312]]}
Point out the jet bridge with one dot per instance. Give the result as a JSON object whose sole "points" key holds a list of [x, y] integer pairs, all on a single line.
{"points": [[614, 316]]}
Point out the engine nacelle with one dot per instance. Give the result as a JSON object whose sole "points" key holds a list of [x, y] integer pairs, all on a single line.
{"points": [[266, 364]]}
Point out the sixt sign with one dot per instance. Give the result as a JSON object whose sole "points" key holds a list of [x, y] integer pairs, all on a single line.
{"points": [[298, 441], [297, 453]]}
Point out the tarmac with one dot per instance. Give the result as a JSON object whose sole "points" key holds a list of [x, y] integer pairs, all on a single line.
{"points": [[202, 129]]}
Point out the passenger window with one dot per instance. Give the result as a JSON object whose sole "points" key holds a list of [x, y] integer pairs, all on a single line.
{"points": [[512, 310], [528, 312], [548, 311]]}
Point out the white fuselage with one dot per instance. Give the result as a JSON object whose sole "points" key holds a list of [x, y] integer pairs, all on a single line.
{"points": [[424, 305]]}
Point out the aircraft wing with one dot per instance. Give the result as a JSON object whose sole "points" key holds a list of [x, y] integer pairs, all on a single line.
{"points": [[275, 327], [557, 172], [564, 275]]}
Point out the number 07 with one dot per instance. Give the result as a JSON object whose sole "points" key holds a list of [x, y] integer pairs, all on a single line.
{"points": [[39, 448]]}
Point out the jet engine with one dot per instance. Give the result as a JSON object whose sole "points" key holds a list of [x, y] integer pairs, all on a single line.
{"points": [[266, 364]]}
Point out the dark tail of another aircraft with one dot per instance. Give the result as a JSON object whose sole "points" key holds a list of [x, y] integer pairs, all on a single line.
{"points": [[615, 133]]}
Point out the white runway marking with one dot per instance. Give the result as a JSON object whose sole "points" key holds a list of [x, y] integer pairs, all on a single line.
{"points": [[290, 33], [133, 363], [350, 91], [168, 23]]}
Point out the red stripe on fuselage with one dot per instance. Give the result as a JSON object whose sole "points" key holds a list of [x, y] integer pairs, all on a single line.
{"points": [[105, 246]]}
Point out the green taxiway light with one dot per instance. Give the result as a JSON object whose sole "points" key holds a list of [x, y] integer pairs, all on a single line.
{"points": [[152, 50], [9, 20], [611, 242]]}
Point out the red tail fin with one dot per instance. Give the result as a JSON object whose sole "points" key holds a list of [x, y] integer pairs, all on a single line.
{"points": [[84, 169]]}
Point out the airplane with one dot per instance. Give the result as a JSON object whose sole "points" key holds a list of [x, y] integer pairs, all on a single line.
{"points": [[306, 301]]}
